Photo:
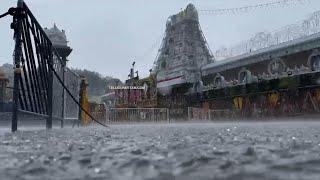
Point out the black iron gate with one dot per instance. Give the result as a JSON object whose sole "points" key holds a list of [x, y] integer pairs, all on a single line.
{"points": [[33, 77], [41, 79]]}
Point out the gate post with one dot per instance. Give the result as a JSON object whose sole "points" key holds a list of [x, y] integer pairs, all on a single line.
{"points": [[17, 26], [81, 100], [50, 92], [17, 74], [63, 94], [83, 118]]}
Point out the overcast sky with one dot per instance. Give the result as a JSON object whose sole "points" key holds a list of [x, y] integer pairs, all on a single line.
{"points": [[107, 35]]}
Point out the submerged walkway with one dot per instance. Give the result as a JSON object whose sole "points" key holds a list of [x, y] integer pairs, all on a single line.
{"points": [[275, 150]]}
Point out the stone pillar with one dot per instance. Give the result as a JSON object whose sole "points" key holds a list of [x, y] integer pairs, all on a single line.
{"points": [[83, 100], [3, 90]]}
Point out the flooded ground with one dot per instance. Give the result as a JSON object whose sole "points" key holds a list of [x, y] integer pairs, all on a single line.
{"points": [[235, 151]]}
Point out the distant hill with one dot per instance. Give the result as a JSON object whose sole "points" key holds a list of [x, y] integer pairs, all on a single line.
{"points": [[98, 85]]}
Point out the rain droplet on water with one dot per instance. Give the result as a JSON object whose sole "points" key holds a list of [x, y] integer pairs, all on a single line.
{"points": [[97, 170]]}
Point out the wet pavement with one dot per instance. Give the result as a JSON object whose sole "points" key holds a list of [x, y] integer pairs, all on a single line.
{"points": [[235, 151]]}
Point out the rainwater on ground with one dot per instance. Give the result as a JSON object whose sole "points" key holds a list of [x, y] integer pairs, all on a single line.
{"points": [[222, 151]]}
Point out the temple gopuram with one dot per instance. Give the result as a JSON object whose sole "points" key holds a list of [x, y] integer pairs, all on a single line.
{"points": [[280, 80]]}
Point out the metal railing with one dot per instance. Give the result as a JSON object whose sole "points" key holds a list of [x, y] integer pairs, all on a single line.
{"points": [[196, 114], [131, 115], [41, 77]]}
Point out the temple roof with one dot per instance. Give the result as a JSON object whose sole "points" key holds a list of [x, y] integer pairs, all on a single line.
{"points": [[190, 13], [287, 48], [58, 37]]}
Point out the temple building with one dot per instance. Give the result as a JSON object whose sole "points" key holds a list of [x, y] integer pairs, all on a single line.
{"points": [[183, 52], [280, 80]]}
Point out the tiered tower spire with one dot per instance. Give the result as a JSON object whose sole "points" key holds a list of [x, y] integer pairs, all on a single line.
{"points": [[184, 50]]}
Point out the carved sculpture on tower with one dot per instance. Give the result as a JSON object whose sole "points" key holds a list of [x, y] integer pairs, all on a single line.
{"points": [[183, 52]]}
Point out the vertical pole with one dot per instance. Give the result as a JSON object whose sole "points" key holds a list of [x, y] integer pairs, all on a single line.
{"points": [[115, 115], [63, 94], [2, 92], [17, 24], [82, 84], [128, 103], [50, 91], [17, 74], [106, 113], [168, 115]]}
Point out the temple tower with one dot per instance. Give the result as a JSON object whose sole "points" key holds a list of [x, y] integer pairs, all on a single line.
{"points": [[61, 102], [183, 52], [59, 41]]}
